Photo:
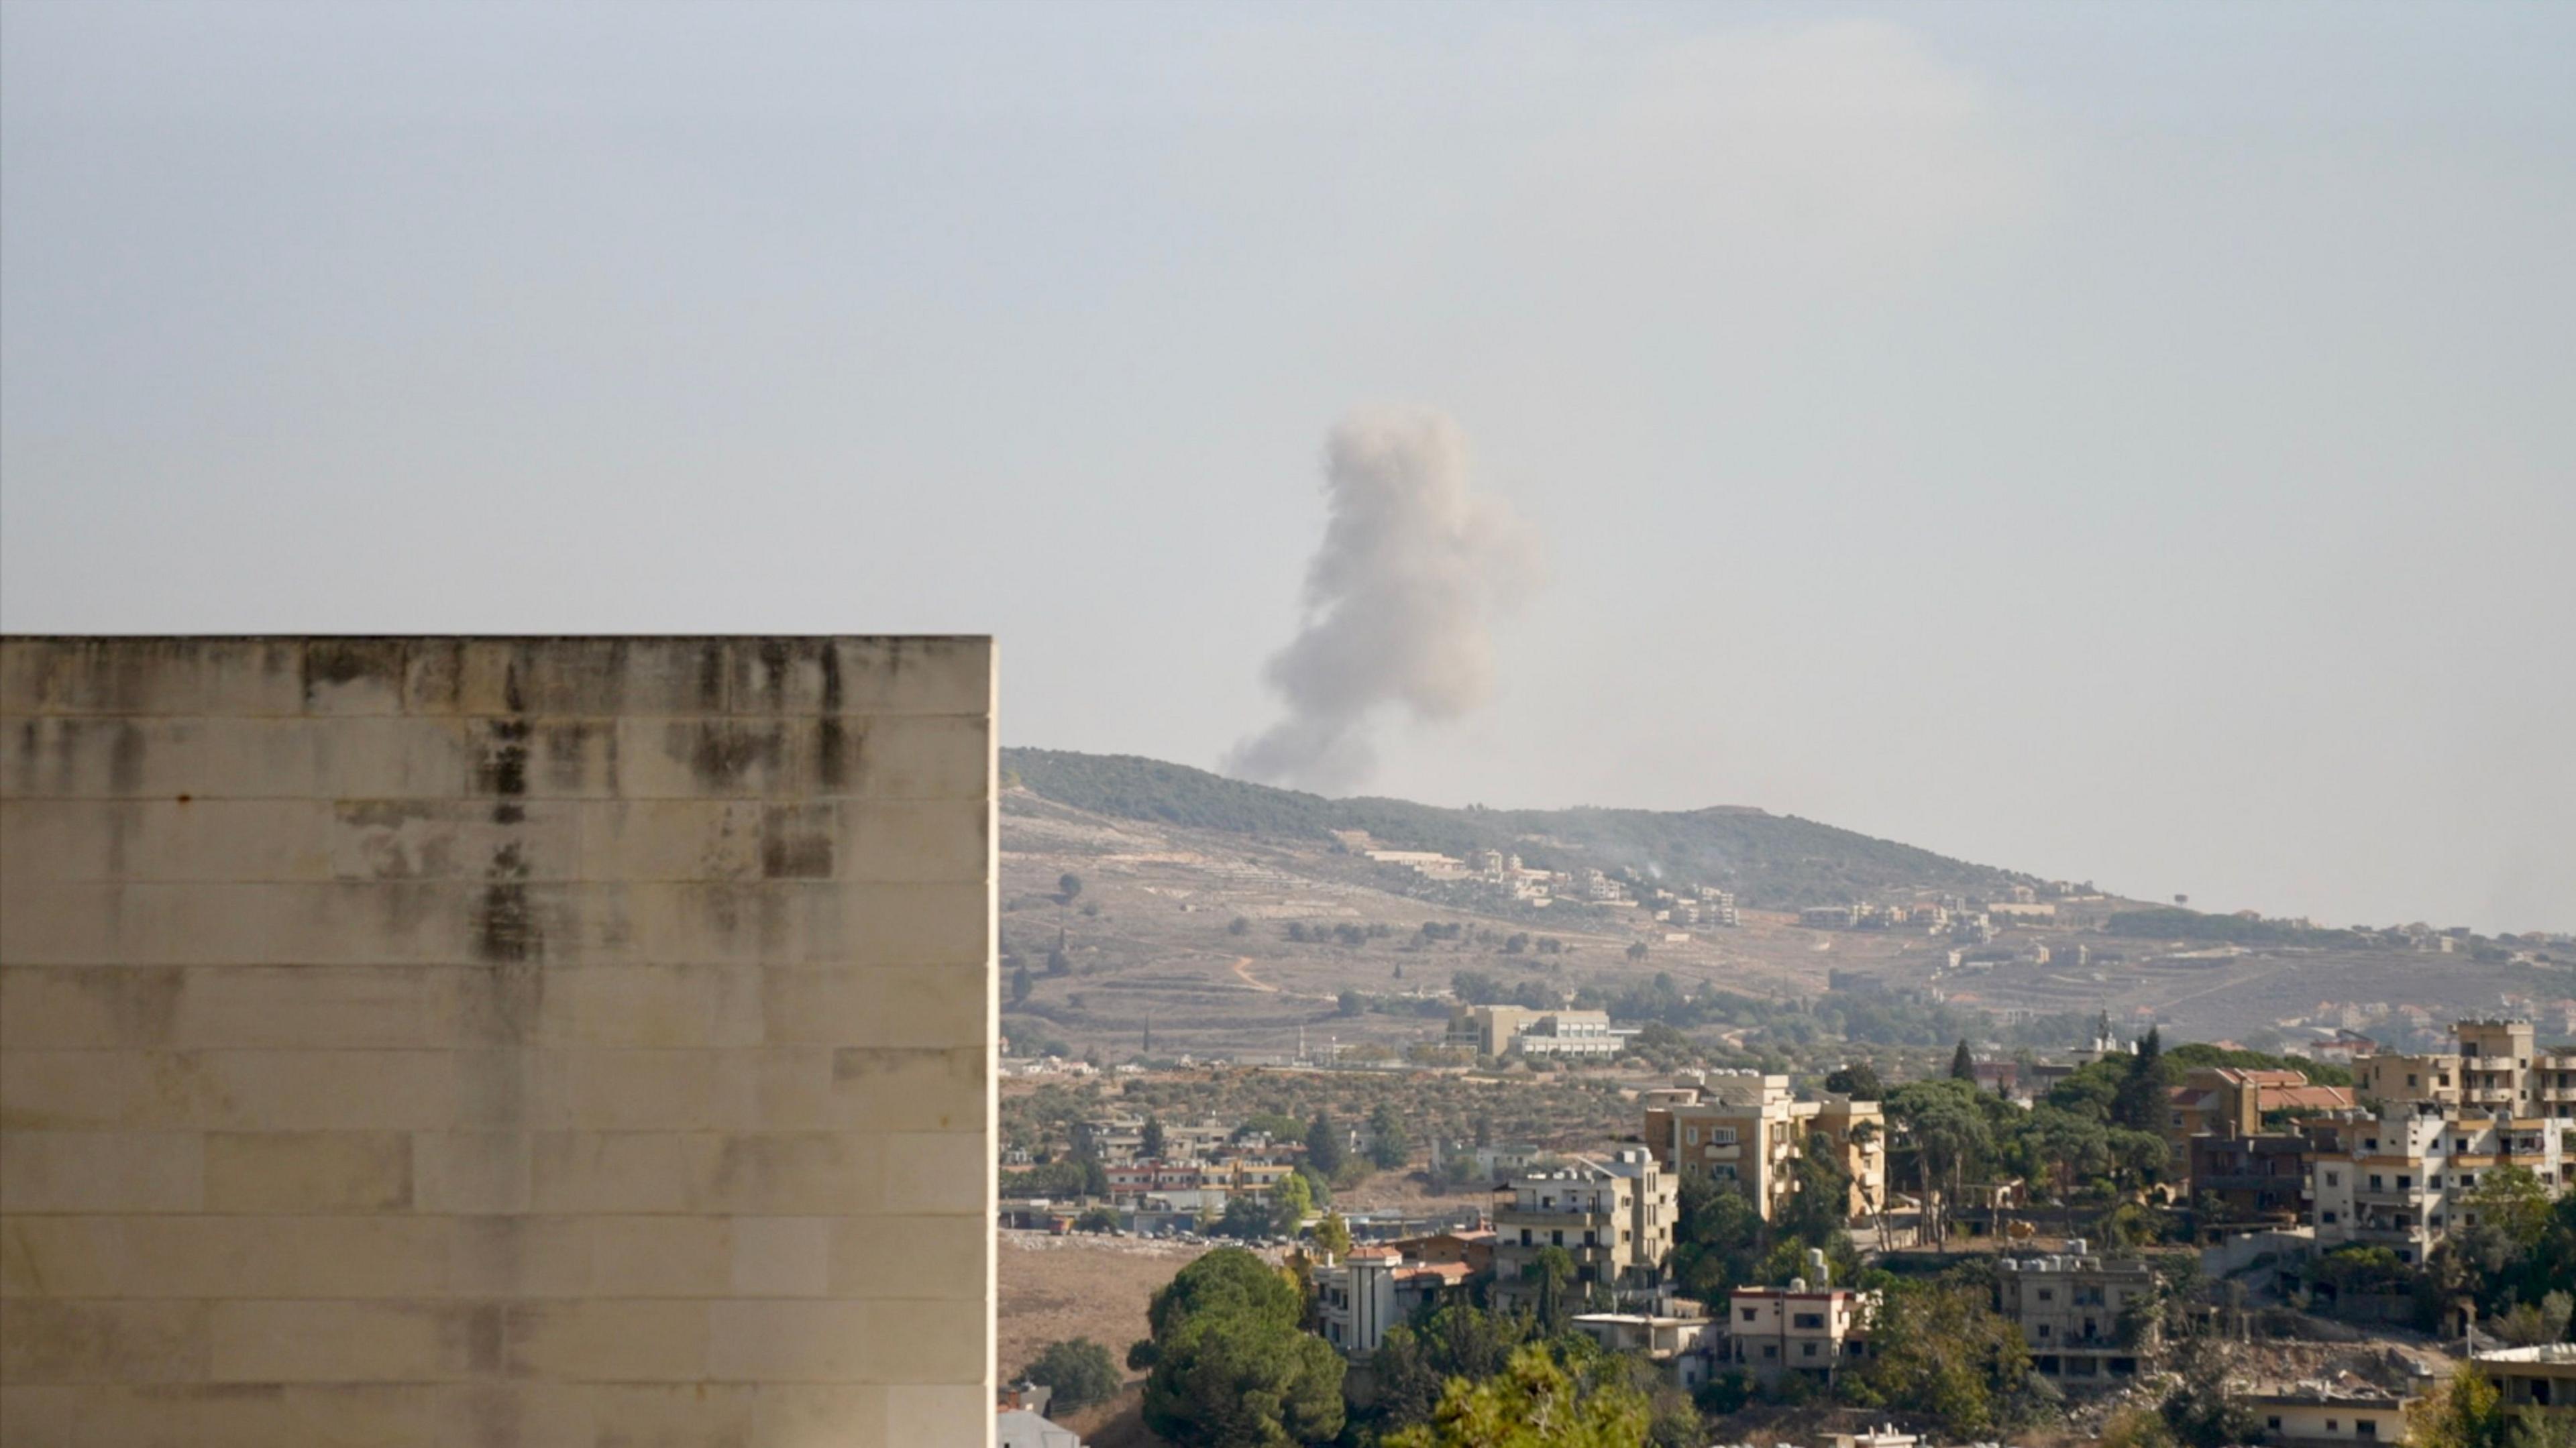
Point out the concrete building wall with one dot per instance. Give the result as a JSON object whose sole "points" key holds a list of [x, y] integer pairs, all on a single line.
{"points": [[536, 1042]]}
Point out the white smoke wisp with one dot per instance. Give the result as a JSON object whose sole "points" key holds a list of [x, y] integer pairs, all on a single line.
{"points": [[1400, 600]]}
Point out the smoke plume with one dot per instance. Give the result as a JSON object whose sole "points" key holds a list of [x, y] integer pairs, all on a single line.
{"points": [[1399, 600]]}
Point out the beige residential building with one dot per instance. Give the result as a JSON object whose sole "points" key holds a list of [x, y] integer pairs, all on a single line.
{"points": [[2068, 1308], [496, 1041], [2498, 1065], [1749, 1129], [1614, 1216], [1812, 1331]]}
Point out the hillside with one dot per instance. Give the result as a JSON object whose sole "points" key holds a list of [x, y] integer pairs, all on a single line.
{"points": [[1771, 862]]}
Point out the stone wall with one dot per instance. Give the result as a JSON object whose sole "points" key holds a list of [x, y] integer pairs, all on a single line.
{"points": [[496, 1041]]}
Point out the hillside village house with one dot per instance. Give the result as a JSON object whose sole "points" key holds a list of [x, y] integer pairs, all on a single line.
{"points": [[2068, 1308], [1614, 1216], [1374, 1288], [1749, 1128], [2315, 1417], [1813, 1331]]}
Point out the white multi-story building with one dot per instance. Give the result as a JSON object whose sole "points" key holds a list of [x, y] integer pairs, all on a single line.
{"points": [[1613, 1216], [2401, 1180]]}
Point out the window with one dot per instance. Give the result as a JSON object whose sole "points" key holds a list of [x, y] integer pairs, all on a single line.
{"points": [[2376, 1181], [1691, 1136], [2365, 1427], [2410, 1080], [2048, 1294], [2327, 1216], [2334, 1425], [1770, 1351], [1809, 1349], [1750, 1314], [2334, 1178], [2273, 1422], [1809, 1321], [2043, 1332], [1721, 1136], [2403, 1182]]}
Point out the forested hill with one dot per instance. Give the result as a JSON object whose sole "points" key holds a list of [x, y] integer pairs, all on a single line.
{"points": [[1775, 862]]}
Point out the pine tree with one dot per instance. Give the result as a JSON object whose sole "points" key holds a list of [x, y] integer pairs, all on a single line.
{"points": [[1963, 1064]]}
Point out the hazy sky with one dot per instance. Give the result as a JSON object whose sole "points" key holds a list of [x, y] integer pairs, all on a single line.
{"points": [[2132, 443]]}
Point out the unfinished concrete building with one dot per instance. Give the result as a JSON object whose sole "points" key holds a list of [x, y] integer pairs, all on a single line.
{"points": [[496, 1041]]}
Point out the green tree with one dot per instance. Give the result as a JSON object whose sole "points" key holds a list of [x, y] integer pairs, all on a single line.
{"points": [[1333, 1236], [1069, 886], [1857, 1080], [1292, 1200], [1554, 1267], [1533, 1404], [1242, 1380], [1228, 1280], [1351, 1003], [2469, 1413], [2141, 1103], [1080, 1370], [1151, 1144], [1324, 1144], [1021, 984], [1388, 1146], [1455, 1342], [1963, 1063], [1239, 925], [1942, 1350], [1816, 1211], [1097, 1219]]}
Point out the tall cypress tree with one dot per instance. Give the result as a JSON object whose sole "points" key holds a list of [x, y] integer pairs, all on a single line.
{"points": [[1963, 1065]]}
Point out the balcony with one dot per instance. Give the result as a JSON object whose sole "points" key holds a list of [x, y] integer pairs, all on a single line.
{"points": [[1543, 1220]]}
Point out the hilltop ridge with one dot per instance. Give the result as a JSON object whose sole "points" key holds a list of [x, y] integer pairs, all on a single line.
{"points": [[1771, 862]]}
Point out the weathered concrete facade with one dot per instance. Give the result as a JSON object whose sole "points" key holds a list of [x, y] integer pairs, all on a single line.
{"points": [[496, 1041]]}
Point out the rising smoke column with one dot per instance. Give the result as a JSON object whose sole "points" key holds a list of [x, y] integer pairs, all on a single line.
{"points": [[1399, 600]]}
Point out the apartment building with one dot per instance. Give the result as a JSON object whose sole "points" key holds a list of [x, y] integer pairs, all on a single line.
{"points": [[2068, 1307], [1614, 1216], [1813, 1331], [2399, 1180], [2497, 1065], [1749, 1128]]}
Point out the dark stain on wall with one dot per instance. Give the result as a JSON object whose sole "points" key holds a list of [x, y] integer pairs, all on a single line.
{"points": [[711, 678], [720, 753], [502, 768], [345, 661], [796, 842], [831, 738]]}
